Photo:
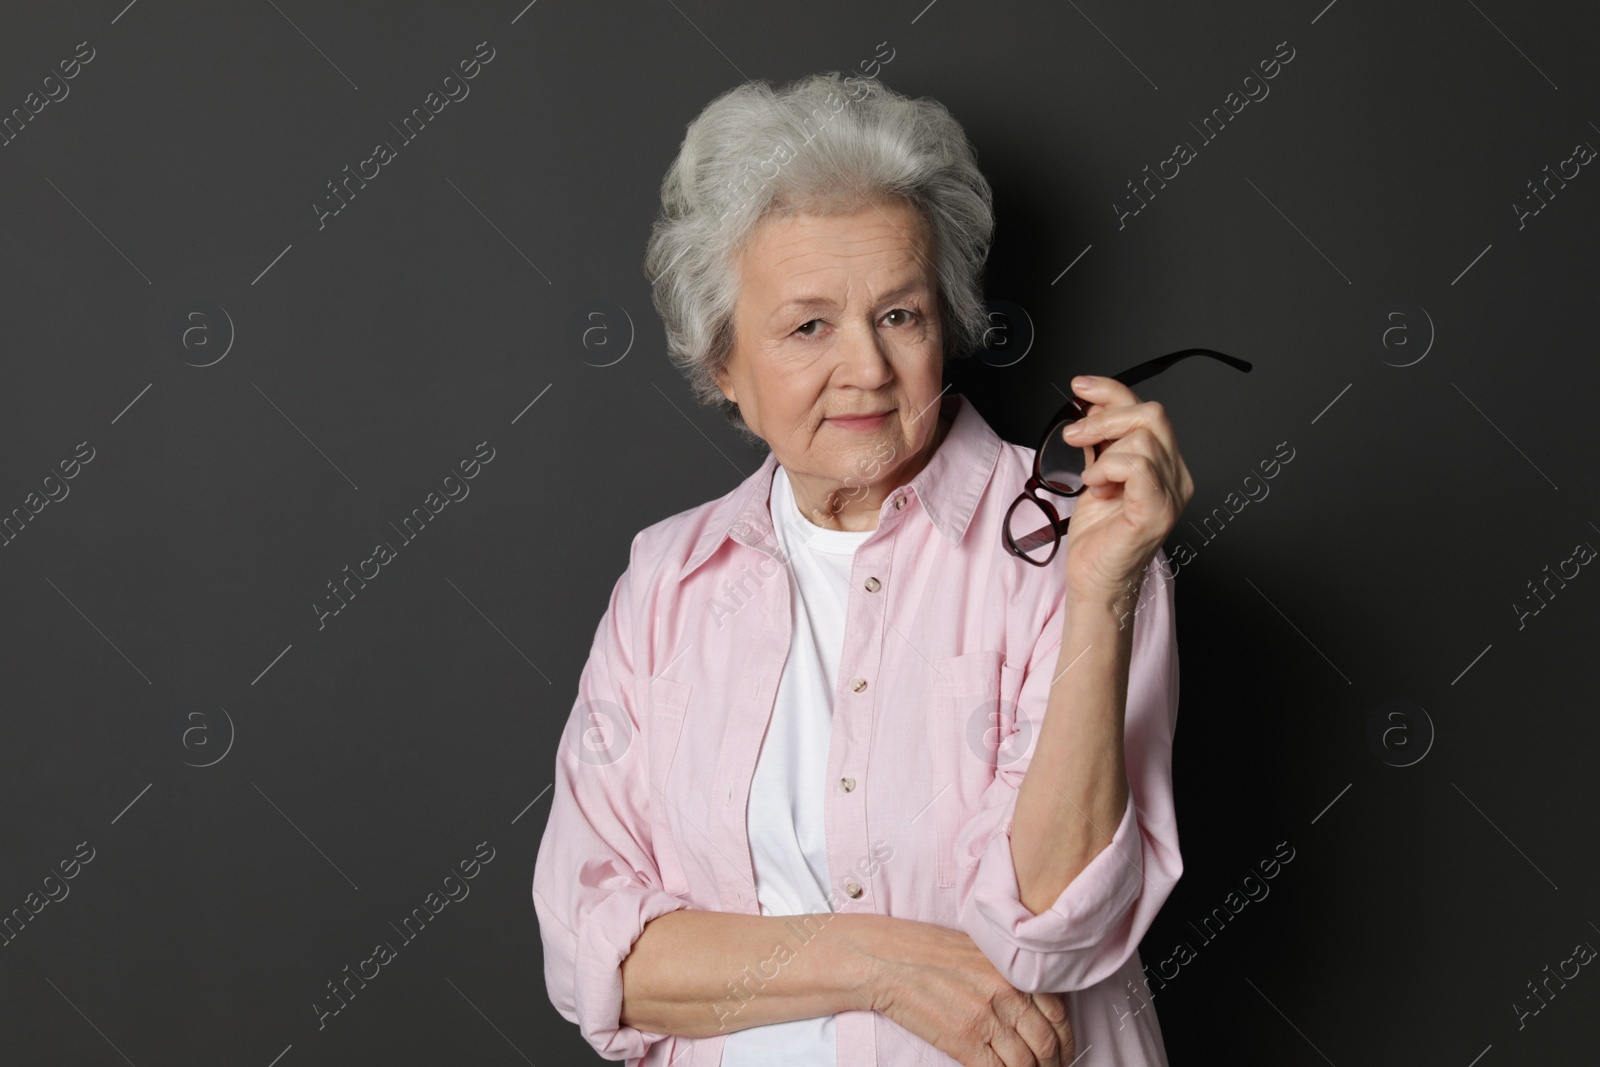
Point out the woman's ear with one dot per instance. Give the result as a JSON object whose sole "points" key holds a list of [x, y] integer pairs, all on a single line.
{"points": [[725, 382]]}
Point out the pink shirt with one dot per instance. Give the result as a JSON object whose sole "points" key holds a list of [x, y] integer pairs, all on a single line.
{"points": [[950, 648]]}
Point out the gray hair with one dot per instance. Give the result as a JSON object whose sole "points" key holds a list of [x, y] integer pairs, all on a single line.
{"points": [[814, 145]]}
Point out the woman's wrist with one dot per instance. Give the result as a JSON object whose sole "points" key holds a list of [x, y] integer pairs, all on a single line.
{"points": [[864, 939], [1090, 617], [1099, 597]]}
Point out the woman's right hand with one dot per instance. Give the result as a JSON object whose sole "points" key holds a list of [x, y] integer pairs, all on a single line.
{"points": [[937, 983]]}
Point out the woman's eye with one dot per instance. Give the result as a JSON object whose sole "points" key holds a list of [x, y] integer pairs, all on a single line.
{"points": [[801, 329], [901, 311]]}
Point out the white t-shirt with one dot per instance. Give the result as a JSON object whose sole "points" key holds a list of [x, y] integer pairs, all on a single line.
{"points": [[788, 846]]}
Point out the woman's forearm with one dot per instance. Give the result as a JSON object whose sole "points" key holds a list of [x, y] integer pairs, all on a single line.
{"points": [[1076, 786], [701, 973]]}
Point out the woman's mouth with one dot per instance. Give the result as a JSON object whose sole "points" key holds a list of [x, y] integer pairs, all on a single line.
{"points": [[861, 423]]}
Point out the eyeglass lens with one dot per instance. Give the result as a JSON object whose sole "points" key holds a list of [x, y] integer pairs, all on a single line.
{"points": [[1061, 464], [1030, 530]]}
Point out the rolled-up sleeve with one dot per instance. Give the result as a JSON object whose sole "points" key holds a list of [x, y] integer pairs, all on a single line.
{"points": [[1096, 923], [595, 879]]}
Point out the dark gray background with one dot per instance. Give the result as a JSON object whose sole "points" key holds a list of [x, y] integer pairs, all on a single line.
{"points": [[165, 604]]}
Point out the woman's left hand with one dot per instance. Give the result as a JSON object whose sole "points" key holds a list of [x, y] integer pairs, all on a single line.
{"points": [[1133, 495]]}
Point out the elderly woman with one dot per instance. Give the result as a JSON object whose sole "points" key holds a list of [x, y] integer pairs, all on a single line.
{"points": [[847, 781]]}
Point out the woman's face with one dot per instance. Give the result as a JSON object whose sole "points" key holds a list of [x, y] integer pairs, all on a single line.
{"points": [[837, 316]]}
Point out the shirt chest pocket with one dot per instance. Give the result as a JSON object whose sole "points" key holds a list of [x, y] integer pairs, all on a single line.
{"points": [[974, 712], [663, 702]]}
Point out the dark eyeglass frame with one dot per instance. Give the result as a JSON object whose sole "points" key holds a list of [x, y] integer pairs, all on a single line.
{"points": [[1073, 410]]}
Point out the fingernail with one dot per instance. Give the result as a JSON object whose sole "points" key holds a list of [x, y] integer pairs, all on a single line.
{"points": [[1083, 379]]}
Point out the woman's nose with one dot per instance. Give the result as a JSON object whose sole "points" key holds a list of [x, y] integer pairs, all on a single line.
{"points": [[862, 351]]}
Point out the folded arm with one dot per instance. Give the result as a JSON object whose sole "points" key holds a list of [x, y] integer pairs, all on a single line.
{"points": [[624, 959], [702, 973]]}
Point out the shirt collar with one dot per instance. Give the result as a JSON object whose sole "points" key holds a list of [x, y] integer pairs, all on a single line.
{"points": [[949, 487]]}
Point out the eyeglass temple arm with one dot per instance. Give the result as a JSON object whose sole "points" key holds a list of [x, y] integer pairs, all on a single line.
{"points": [[1150, 368]]}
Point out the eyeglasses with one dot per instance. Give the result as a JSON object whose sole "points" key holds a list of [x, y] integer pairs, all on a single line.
{"points": [[1058, 467]]}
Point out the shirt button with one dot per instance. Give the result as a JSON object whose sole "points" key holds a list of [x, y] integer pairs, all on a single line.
{"points": [[852, 890], [858, 684], [899, 502], [847, 784], [872, 585]]}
